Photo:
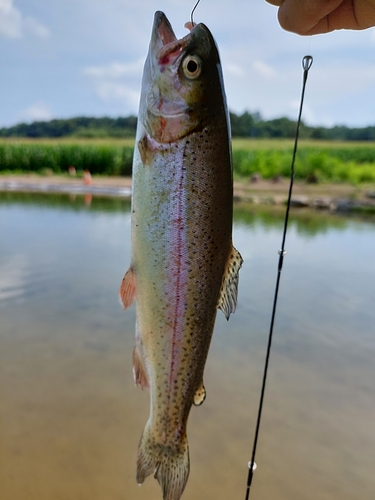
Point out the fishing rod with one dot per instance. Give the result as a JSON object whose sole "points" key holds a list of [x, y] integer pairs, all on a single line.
{"points": [[306, 65]]}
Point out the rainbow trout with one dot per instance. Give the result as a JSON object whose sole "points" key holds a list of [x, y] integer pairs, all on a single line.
{"points": [[183, 265]]}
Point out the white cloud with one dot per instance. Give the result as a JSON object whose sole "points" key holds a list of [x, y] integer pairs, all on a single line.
{"points": [[233, 69], [115, 70], [35, 28], [38, 111], [264, 69], [308, 115], [110, 92], [117, 82], [10, 20], [14, 25]]}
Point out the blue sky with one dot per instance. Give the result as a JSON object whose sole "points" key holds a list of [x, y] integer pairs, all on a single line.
{"points": [[66, 58]]}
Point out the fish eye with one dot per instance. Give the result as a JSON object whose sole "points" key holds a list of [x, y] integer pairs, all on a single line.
{"points": [[192, 67]]}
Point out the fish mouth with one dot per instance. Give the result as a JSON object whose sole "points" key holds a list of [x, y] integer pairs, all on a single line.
{"points": [[162, 29], [164, 41]]}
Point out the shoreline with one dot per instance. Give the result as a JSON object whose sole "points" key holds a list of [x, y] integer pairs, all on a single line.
{"points": [[331, 197]]}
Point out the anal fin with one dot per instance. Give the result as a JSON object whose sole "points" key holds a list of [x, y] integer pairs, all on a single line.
{"points": [[139, 372], [127, 288], [229, 288]]}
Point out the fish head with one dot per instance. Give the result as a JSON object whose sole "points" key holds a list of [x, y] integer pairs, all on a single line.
{"points": [[182, 87]]}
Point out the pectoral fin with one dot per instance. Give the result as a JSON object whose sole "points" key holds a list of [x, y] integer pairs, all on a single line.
{"points": [[139, 372], [228, 294], [127, 288], [200, 395]]}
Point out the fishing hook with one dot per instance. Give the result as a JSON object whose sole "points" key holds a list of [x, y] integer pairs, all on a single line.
{"points": [[192, 12]]}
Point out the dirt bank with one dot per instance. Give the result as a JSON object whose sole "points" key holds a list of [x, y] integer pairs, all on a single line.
{"points": [[342, 197]]}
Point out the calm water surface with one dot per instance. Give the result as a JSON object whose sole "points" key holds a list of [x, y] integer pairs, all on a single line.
{"points": [[70, 416]]}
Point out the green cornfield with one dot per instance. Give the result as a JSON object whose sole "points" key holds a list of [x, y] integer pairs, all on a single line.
{"points": [[317, 161], [99, 157]]}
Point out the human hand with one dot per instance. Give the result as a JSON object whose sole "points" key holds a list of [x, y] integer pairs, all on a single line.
{"points": [[310, 17]]}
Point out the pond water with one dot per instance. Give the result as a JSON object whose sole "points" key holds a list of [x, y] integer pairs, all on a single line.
{"points": [[70, 416]]}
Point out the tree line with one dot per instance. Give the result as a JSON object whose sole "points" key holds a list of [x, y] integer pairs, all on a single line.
{"points": [[244, 125]]}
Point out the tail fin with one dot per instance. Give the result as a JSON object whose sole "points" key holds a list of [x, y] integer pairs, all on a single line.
{"points": [[170, 464]]}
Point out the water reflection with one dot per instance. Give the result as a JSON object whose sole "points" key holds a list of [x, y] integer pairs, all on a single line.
{"points": [[66, 201], [306, 221], [70, 417]]}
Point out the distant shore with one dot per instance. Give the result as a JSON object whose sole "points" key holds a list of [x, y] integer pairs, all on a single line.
{"points": [[333, 197]]}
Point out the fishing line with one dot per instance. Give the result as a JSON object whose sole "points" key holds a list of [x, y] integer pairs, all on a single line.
{"points": [[306, 65], [309, 45]]}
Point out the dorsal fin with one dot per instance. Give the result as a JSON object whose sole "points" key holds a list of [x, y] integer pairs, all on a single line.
{"points": [[228, 293]]}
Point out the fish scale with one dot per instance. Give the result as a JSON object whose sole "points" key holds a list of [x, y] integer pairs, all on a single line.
{"points": [[183, 266]]}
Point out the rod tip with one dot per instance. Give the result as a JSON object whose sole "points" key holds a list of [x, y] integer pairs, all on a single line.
{"points": [[307, 62]]}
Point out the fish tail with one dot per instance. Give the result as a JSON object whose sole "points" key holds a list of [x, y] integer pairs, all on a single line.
{"points": [[169, 462]]}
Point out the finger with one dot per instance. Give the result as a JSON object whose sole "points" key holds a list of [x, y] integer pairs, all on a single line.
{"points": [[275, 2], [306, 17]]}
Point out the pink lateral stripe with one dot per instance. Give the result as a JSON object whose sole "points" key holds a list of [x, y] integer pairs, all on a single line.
{"points": [[179, 271]]}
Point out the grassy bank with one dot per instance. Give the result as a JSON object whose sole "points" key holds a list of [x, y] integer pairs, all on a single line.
{"points": [[317, 161]]}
